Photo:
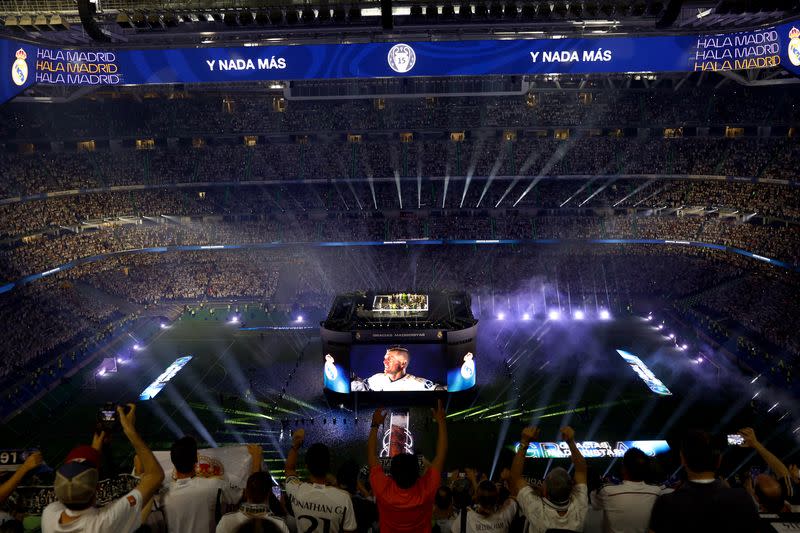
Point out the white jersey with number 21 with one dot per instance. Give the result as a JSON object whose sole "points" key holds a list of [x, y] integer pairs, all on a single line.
{"points": [[320, 509]]}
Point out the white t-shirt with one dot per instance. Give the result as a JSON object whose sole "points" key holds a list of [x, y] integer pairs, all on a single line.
{"points": [[320, 509], [120, 516], [626, 507], [497, 522], [231, 521], [189, 504], [382, 382], [543, 514]]}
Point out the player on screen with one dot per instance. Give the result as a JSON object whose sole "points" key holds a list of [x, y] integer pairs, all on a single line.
{"points": [[394, 376]]}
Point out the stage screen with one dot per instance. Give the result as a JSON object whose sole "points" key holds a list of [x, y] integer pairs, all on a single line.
{"points": [[413, 367], [646, 375], [161, 381], [397, 368]]}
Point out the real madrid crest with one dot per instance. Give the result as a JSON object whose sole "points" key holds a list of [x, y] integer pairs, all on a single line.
{"points": [[19, 70], [468, 368], [794, 47]]}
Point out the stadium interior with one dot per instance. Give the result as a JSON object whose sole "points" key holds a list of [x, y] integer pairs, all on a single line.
{"points": [[612, 251]]}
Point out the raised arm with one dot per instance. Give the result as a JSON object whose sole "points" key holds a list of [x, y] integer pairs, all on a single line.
{"points": [[568, 435], [257, 456], [298, 437], [516, 482], [775, 464], [152, 473], [378, 417], [33, 460], [441, 442]]}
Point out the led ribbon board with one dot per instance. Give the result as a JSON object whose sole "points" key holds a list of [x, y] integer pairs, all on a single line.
{"points": [[593, 449], [155, 387], [24, 64], [650, 379]]}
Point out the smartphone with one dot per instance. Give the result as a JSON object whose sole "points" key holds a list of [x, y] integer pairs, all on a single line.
{"points": [[276, 491], [735, 440]]}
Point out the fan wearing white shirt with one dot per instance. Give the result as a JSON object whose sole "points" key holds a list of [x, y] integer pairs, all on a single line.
{"points": [[76, 488], [626, 507], [189, 501], [564, 504], [256, 506], [486, 516], [317, 507]]}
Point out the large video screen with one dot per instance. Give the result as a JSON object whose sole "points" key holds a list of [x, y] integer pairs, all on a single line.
{"points": [[645, 374], [161, 381], [414, 367], [400, 368]]}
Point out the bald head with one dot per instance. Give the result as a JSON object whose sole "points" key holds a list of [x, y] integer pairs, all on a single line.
{"points": [[395, 362], [769, 494]]}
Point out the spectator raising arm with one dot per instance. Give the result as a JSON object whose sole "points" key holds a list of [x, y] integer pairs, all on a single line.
{"points": [[33, 461], [516, 482], [257, 454], [568, 435], [152, 473], [441, 442], [378, 417], [294, 452], [776, 465]]}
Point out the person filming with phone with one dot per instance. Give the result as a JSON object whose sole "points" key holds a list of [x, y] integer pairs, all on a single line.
{"points": [[76, 487]]}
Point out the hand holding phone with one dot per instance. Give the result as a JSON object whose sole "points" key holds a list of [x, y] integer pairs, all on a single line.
{"points": [[735, 440]]}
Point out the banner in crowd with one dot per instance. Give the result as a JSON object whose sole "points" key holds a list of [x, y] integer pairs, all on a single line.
{"points": [[32, 500], [231, 463], [23, 64]]}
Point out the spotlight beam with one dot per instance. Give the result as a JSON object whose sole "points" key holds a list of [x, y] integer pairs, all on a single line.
{"points": [[372, 188], [533, 183], [598, 191], [352, 190], [648, 197], [636, 191], [508, 190], [397, 183], [580, 190], [492, 174]]}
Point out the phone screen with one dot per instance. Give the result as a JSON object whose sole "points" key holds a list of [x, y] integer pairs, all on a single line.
{"points": [[276, 491], [735, 440]]}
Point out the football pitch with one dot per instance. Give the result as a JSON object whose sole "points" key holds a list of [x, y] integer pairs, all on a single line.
{"points": [[257, 378]]}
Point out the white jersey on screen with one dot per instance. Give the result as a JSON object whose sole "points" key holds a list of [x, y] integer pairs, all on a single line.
{"points": [[320, 509], [382, 382], [189, 504]]}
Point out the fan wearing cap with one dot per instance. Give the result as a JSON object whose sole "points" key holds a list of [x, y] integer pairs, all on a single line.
{"points": [[563, 504], [76, 487]]}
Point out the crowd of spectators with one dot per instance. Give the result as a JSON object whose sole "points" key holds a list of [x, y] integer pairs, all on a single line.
{"points": [[481, 154], [49, 250], [182, 114], [326, 493], [566, 195]]}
